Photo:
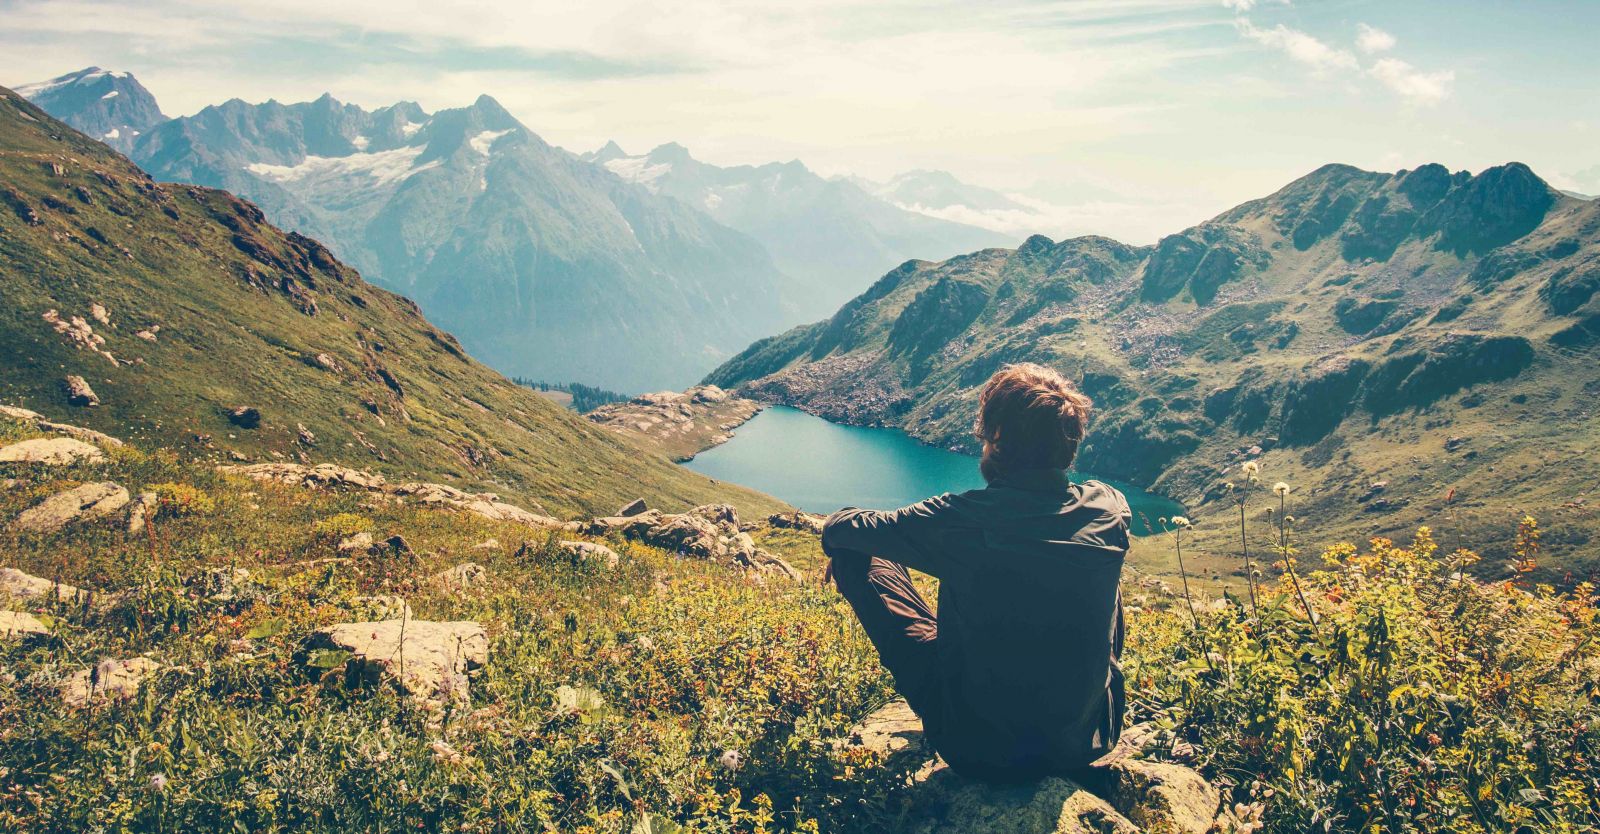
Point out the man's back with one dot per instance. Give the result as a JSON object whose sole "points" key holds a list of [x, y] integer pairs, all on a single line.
{"points": [[1023, 677]]}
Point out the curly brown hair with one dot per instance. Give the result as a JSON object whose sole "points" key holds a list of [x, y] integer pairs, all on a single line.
{"points": [[1030, 417]]}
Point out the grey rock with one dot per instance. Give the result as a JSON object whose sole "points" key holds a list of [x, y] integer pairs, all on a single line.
{"points": [[108, 680], [52, 451], [82, 503], [20, 625], [79, 393], [426, 660], [589, 551], [18, 585]]}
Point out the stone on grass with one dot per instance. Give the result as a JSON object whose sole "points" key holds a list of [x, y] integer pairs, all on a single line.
{"points": [[108, 680], [79, 393], [426, 660], [51, 451], [1136, 796], [359, 542], [589, 551], [18, 585], [382, 607], [462, 577], [20, 625], [797, 520], [245, 417], [82, 503], [633, 508], [142, 508]]}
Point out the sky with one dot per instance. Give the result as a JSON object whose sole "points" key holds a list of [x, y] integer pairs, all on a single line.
{"points": [[1132, 118]]}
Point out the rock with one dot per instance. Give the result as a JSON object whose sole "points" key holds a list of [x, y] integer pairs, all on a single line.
{"points": [[245, 417], [149, 334], [141, 509], [631, 527], [589, 551], [99, 313], [797, 520], [687, 534], [1374, 489], [487, 544], [77, 432], [359, 542], [1455, 443], [462, 577], [108, 680], [1139, 796], [382, 607], [18, 585], [635, 507], [304, 435], [79, 393], [53, 451], [708, 532], [427, 660], [20, 625], [708, 394], [331, 476], [83, 503]]}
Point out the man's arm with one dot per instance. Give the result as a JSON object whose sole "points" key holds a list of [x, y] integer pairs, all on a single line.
{"points": [[915, 536]]}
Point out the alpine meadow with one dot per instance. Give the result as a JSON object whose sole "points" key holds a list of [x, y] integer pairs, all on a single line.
{"points": [[389, 442]]}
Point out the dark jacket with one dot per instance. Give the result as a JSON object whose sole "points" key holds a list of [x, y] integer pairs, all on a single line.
{"points": [[1029, 616]]}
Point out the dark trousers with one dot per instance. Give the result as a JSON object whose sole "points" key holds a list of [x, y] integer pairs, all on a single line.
{"points": [[900, 624]]}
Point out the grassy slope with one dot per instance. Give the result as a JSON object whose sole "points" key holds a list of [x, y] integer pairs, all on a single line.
{"points": [[235, 331], [1267, 333]]}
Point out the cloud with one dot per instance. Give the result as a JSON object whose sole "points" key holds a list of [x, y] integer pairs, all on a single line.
{"points": [[1300, 46], [1370, 39], [1242, 6], [1413, 84]]}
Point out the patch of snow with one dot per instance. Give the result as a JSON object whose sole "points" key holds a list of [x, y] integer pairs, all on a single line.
{"points": [[482, 142], [409, 129], [638, 169], [713, 200], [380, 168], [87, 77], [360, 143], [112, 94], [113, 133]]}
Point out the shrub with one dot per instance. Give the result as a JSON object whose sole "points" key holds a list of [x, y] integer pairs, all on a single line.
{"points": [[183, 500]]}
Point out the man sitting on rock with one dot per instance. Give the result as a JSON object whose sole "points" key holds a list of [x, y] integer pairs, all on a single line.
{"points": [[1016, 677]]}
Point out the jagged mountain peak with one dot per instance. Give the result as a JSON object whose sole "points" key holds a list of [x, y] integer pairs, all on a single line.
{"points": [[111, 106]]}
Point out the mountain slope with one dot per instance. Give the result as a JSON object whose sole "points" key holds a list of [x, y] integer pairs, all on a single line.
{"points": [[825, 233], [1380, 341], [110, 106], [549, 267], [178, 304]]}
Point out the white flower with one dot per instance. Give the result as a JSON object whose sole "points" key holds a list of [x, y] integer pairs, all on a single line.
{"points": [[1251, 467], [731, 759], [158, 782], [443, 752], [1181, 522], [1280, 488]]}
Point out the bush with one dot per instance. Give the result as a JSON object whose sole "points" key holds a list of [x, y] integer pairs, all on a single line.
{"points": [[183, 500], [343, 525]]}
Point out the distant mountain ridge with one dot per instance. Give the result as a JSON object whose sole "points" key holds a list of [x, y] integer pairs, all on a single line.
{"points": [[113, 107], [828, 233], [1380, 341]]}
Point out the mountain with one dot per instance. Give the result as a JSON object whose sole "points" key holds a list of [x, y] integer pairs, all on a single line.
{"points": [[110, 106], [1402, 348], [178, 305], [826, 233], [549, 267]]}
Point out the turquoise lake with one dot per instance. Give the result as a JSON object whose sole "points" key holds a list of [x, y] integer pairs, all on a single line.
{"points": [[820, 466]]}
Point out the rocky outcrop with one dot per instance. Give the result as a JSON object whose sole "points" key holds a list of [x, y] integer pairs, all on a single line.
{"points": [[428, 661], [18, 585], [53, 451], [331, 476], [592, 553], [20, 625], [679, 425], [1202, 259], [83, 503], [108, 680], [79, 393], [797, 520], [1133, 796], [709, 532], [104, 441]]}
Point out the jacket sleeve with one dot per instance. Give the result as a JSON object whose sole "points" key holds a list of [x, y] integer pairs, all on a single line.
{"points": [[915, 536]]}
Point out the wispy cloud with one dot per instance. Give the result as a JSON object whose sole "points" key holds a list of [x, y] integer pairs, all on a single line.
{"points": [[1300, 46], [1370, 39], [1413, 84]]}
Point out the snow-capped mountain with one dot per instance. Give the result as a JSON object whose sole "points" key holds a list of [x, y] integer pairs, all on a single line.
{"points": [[544, 265], [110, 106], [828, 233]]}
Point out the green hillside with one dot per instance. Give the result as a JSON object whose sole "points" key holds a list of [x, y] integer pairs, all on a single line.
{"points": [[1402, 349], [179, 304]]}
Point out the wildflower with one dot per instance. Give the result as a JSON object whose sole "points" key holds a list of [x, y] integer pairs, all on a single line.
{"points": [[158, 782], [1182, 522], [731, 759], [1280, 488], [1250, 468], [443, 752]]}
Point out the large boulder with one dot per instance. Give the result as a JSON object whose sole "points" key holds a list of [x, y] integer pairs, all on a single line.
{"points": [[79, 393], [1133, 795], [20, 625], [18, 585], [51, 451], [426, 660], [108, 680], [82, 503], [591, 552]]}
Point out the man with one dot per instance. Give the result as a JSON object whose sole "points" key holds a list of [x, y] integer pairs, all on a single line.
{"points": [[1017, 675]]}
